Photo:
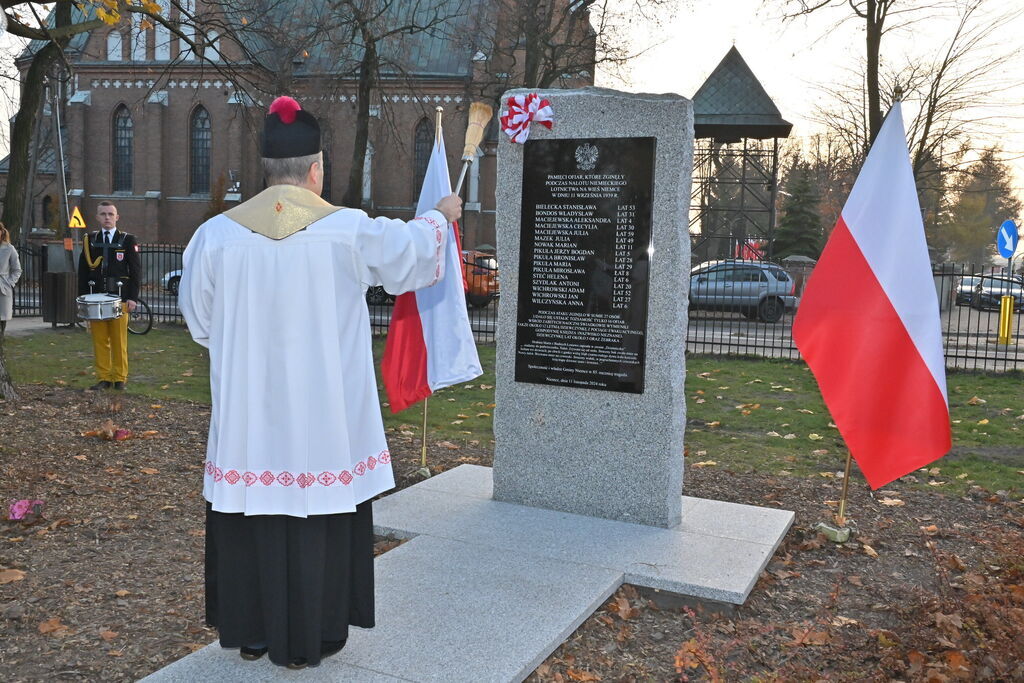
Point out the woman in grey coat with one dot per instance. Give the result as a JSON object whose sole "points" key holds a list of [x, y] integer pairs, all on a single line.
{"points": [[10, 271]]}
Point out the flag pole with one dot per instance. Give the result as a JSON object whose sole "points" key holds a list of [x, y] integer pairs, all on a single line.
{"points": [[841, 517], [424, 471]]}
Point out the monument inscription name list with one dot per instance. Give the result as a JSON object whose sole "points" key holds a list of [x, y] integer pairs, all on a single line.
{"points": [[584, 256]]}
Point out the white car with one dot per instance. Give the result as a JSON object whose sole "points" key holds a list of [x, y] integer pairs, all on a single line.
{"points": [[170, 281]]}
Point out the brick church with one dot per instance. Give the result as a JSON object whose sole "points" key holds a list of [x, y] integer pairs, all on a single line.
{"points": [[171, 136]]}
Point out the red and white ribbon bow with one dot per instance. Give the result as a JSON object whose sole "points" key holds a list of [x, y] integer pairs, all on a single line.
{"points": [[523, 110]]}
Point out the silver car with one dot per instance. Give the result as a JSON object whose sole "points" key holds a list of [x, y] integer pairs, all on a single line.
{"points": [[761, 291]]}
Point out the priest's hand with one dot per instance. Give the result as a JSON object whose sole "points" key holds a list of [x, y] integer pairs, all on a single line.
{"points": [[451, 207], [131, 305]]}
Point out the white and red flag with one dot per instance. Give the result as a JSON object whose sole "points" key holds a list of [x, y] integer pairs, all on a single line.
{"points": [[430, 344], [868, 324]]}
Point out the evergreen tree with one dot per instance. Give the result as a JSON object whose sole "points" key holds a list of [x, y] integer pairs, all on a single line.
{"points": [[984, 199], [799, 231]]}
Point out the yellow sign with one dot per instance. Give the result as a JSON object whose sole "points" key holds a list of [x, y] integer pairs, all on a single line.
{"points": [[76, 219]]}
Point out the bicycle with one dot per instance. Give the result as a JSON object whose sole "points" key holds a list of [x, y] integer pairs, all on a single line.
{"points": [[140, 321]]}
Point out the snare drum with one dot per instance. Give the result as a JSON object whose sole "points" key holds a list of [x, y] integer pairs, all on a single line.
{"points": [[99, 307]]}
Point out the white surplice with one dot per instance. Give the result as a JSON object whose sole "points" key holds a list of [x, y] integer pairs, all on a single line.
{"points": [[296, 427]]}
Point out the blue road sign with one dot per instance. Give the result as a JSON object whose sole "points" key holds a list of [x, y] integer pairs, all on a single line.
{"points": [[1006, 239]]}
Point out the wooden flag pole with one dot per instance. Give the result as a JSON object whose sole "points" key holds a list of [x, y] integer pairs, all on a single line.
{"points": [[423, 451], [841, 517], [424, 471]]}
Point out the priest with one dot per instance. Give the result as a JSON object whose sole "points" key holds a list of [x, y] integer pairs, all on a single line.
{"points": [[275, 288]]}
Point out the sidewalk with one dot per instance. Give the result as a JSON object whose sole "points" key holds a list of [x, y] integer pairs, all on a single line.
{"points": [[22, 327]]}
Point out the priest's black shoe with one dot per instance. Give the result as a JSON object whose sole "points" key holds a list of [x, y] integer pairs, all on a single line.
{"points": [[102, 384], [118, 386], [252, 653]]}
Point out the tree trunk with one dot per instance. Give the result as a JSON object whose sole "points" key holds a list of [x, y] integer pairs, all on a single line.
{"points": [[22, 137], [875, 19], [367, 70], [7, 391]]}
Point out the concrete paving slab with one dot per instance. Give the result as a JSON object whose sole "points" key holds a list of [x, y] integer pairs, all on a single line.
{"points": [[214, 663], [717, 552]]}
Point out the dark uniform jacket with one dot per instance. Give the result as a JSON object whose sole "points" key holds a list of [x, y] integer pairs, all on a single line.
{"points": [[120, 262]]}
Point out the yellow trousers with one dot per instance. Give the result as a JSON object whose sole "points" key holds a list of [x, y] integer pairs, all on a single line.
{"points": [[110, 346]]}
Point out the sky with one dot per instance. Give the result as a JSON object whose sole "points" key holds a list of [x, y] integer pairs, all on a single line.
{"points": [[793, 60]]}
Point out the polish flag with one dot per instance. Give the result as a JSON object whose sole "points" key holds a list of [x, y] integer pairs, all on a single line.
{"points": [[868, 324], [430, 344]]}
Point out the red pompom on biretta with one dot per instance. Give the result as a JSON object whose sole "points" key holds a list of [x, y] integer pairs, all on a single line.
{"points": [[286, 109]]}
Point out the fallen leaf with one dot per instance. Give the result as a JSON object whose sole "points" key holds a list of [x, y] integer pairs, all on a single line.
{"points": [[149, 470], [716, 423], [805, 411], [114, 653], [892, 502], [483, 414], [931, 529], [448, 444], [705, 463], [456, 422], [11, 575], [774, 434], [815, 437], [463, 417], [789, 436], [869, 551], [809, 636], [844, 621], [52, 626], [187, 373], [108, 635], [983, 421], [122, 593], [855, 580], [486, 386], [156, 406], [976, 401], [820, 451], [80, 457], [577, 675]]}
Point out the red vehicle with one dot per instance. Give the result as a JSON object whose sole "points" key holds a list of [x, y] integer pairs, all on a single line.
{"points": [[480, 270]]}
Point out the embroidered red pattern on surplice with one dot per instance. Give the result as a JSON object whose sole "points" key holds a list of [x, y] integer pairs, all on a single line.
{"points": [[439, 237], [303, 479]]}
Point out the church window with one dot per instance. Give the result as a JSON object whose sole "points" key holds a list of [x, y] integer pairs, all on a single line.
{"points": [[423, 139], [200, 137], [114, 46], [122, 157]]}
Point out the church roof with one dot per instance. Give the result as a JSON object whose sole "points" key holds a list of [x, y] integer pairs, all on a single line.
{"points": [[732, 104]]}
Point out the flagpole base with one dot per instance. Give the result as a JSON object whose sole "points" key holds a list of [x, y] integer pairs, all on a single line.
{"points": [[836, 534], [424, 472]]}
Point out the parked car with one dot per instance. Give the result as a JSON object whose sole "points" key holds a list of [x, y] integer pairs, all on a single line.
{"points": [[758, 290], [965, 289], [171, 280], [986, 292]]}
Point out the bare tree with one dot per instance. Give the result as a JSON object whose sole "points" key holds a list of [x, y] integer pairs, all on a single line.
{"points": [[879, 18]]}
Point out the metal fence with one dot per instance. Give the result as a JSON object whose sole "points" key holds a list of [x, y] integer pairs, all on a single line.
{"points": [[27, 296], [969, 314], [968, 307], [161, 274]]}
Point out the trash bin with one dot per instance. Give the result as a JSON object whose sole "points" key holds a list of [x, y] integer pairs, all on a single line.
{"points": [[59, 293]]}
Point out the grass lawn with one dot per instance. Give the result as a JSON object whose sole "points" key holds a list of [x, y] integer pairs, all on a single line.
{"points": [[744, 414]]}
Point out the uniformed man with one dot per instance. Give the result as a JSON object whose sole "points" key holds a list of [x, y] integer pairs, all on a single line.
{"points": [[110, 263]]}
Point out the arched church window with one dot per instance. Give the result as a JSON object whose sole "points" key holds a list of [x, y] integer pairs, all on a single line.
{"points": [[423, 139], [122, 157], [200, 137]]}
